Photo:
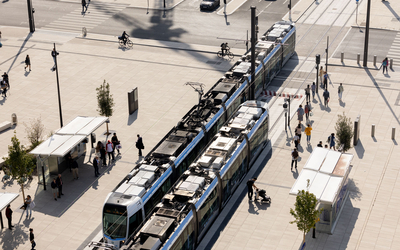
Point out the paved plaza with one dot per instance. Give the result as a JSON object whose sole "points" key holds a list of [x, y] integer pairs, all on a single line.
{"points": [[369, 220]]}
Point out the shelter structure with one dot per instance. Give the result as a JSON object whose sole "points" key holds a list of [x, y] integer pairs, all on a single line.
{"points": [[69, 143], [327, 172], [5, 199]]}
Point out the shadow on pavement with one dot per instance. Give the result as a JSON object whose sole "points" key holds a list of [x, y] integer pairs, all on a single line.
{"points": [[12, 239]]}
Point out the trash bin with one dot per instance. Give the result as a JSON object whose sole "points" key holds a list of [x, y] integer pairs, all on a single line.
{"points": [[14, 118]]}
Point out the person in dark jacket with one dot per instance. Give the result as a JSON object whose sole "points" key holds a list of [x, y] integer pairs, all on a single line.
{"points": [[96, 166], [84, 5], [32, 238], [250, 185], [27, 62], [326, 97], [54, 188], [103, 154], [115, 142], [59, 185], [139, 144], [9, 216]]}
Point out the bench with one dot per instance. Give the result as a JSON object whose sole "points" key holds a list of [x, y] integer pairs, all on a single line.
{"points": [[5, 125]]}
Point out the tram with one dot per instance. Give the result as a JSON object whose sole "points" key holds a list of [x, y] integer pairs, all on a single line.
{"points": [[132, 202]]}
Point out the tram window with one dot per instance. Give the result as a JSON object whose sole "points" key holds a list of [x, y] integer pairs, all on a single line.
{"points": [[134, 221], [208, 209], [156, 198]]}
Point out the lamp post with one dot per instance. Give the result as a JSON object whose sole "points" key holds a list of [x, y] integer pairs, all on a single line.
{"points": [[58, 86], [285, 110], [288, 105], [290, 10]]}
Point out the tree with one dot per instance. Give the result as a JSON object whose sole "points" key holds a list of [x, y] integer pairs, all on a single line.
{"points": [[105, 101], [34, 131], [19, 163], [305, 212], [344, 132]]}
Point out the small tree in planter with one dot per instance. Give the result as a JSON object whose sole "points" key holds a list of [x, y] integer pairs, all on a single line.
{"points": [[20, 165], [34, 131], [105, 101], [305, 212], [344, 132]]}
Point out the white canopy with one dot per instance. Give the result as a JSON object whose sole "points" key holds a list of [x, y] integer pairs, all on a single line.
{"points": [[69, 136], [6, 198]]}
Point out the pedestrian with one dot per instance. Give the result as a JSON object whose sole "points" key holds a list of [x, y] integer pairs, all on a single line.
{"points": [[297, 131], [9, 216], [308, 92], [115, 142], [295, 157], [385, 63], [6, 78], [139, 144], [326, 80], [32, 238], [27, 62], [59, 185], [321, 74], [96, 166], [54, 54], [313, 87], [307, 110], [250, 185], [331, 141], [326, 97], [54, 188], [307, 131], [319, 144], [103, 153], [3, 87], [110, 151], [27, 205], [340, 91], [75, 170], [296, 140], [326, 146], [84, 6], [300, 114]]}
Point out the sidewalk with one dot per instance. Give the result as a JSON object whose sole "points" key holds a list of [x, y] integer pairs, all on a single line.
{"points": [[159, 70]]}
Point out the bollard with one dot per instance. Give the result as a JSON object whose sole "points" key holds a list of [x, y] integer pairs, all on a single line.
{"points": [[373, 130], [342, 57], [391, 63], [356, 130], [375, 60], [358, 58], [393, 133]]}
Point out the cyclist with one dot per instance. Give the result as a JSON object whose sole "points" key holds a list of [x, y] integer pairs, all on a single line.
{"points": [[224, 48], [124, 37]]}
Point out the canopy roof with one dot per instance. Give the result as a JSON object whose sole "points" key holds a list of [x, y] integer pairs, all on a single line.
{"points": [[326, 170], [69, 136], [6, 198]]}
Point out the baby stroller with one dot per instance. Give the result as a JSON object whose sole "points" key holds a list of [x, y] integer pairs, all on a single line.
{"points": [[263, 194]]}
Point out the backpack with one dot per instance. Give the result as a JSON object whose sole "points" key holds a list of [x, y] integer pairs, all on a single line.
{"points": [[295, 154]]}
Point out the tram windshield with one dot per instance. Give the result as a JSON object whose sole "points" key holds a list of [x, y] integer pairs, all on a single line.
{"points": [[114, 221]]}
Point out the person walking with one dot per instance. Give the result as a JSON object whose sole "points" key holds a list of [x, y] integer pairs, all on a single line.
{"points": [[9, 216], [321, 74], [326, 97], [296, 140], [54, 188], [96, 166], [115, 142], [313, 87], [385, 63], [59, 182], [250, 185], [307, 111], [32, 239], [110, 151], [84, 6], [331, 140], [326, 80], [300, 114], [139, 144], [297, 131], [27, 62], [340, 91], [307, 131], [27, 205], [308, 93], [295, 157], [75, 170], [54, 54]]}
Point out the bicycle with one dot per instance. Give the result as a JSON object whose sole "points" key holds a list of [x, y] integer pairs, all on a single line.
{"points": [[128, 43], [227, 53]]}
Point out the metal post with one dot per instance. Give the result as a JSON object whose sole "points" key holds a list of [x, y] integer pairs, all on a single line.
{"points": [[391, 63], [393, 133], [253, 52], [58, 89], [1, 220], [30, 16], [285, 121], [356, 11], [313, 232], [327, 46], [342, 57], [375, 60], [164, 4], [288, 119], [358, 58], [367, 34], [290, 10], [44, 180], [373, 130], [316, 82], [247, 40]]}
